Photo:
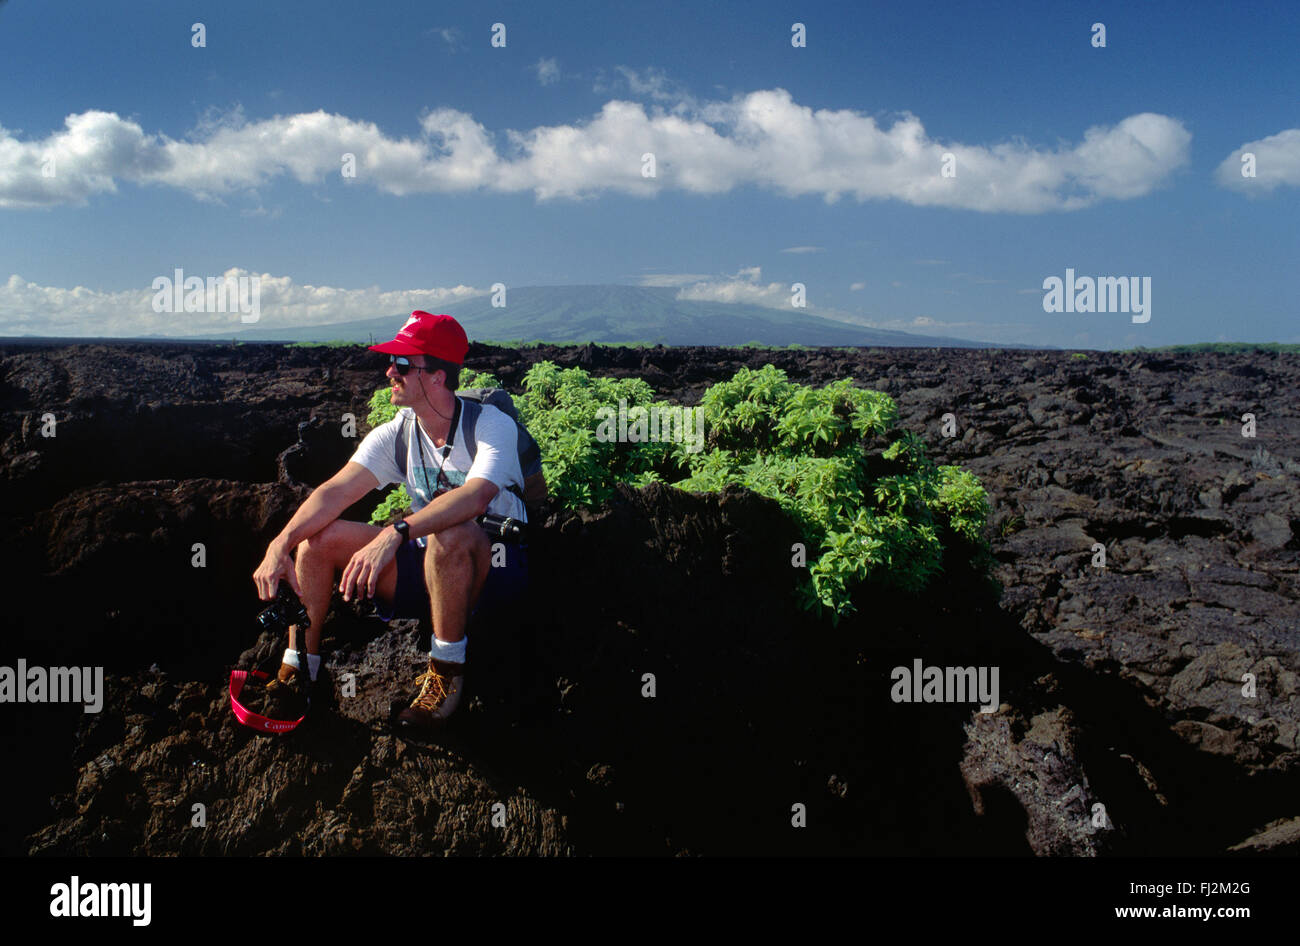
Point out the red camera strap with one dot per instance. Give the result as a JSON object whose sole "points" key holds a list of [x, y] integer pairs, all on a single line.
{"points": [[248, 717]]}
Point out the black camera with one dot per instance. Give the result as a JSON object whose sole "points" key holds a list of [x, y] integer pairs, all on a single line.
{"points": [[286, 609], [503, 527]]}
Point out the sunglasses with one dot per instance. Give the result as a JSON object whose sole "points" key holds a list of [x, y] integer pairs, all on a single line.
{"points": [[403, 364]]}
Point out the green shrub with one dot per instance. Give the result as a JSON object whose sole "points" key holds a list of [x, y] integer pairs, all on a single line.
{"points": [[396, 505], [871, 506], [863, 492], [560, 406]]}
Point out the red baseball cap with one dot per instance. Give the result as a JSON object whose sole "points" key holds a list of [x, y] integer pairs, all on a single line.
{"points": [[423, 334]]}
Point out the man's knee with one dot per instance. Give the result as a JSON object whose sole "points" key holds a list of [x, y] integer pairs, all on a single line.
{"points": [[333, 544], [455, 542], [321, 542]]}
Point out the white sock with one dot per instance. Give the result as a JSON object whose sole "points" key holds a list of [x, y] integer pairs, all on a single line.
{"points": [[449, 652], [313, 662]]}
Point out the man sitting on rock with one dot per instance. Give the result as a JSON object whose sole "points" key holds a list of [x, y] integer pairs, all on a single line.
{"points": [[437, 561]]}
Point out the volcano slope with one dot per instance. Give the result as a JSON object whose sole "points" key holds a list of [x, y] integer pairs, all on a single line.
{"points": [[1150, 705]]}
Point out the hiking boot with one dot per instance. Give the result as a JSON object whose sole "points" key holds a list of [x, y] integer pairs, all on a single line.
{"points": [[440, 689]]}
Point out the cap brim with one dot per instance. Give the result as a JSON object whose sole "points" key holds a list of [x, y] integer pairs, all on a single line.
{"points": [[397, 347]]}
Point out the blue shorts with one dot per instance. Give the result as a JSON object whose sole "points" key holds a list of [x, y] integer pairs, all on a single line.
{"points": [[504, 583]]}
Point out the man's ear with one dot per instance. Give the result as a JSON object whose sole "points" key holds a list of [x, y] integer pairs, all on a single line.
{"points": [[432, 375]]}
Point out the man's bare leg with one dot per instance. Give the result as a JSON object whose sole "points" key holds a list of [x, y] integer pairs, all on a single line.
{"points": [[455, 567], [319, 561]]}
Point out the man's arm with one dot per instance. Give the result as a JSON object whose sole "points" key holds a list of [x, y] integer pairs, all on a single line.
{"points": [[323, 506], [467, 501], [462, 504], [327, 502]]}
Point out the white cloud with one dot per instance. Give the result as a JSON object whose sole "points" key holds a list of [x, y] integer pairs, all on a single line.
{"points": [[548, 71], [449, 34], [31, 309], [744, 286], [857, 286], [273, 214], [762, 139], [1013, 332], [803, 249], [1277, 163], [672, 279], [651, 83], [975, 278]]}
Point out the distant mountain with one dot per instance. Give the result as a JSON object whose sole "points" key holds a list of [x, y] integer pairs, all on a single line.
{"points": [[619, 314]]}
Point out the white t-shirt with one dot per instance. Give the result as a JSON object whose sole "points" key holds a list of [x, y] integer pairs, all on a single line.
{"points": [[496, 460]]}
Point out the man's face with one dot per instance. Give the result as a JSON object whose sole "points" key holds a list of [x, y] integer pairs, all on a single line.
{"points": [[411, 388]]}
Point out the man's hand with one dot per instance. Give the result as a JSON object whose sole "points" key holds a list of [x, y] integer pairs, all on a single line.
{"points": [[276, 565], [361, 576]]}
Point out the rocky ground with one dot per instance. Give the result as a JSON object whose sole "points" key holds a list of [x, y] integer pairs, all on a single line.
{"points": [[1124, 726]]}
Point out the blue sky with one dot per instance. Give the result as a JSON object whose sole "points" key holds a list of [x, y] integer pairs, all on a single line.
{"points": [[522, 164]]}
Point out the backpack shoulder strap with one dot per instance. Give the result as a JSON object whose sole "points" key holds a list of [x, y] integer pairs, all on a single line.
{"points": [[470, 410], [400, 442], [469, 422], [530, 454]]}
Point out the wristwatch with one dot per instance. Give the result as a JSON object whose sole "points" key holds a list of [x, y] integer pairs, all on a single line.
{"points": [[403, 529]]}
